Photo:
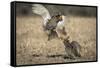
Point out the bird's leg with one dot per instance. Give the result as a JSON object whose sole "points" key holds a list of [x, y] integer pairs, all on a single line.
{"points": [[54, 33], [49, 36], [57, 33], [64, 32]]}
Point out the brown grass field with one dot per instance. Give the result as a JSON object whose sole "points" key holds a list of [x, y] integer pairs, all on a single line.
{"points": [[32, 46]]}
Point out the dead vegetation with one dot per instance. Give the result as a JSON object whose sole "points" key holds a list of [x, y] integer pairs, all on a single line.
{"points": [[32, 46]]}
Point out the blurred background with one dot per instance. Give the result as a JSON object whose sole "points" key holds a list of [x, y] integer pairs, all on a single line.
{"points": [[26, 9]]}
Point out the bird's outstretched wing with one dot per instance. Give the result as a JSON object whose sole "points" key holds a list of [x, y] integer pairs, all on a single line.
{"points": [[42, 11]]}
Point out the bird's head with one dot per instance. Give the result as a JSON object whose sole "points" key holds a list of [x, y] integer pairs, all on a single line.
{"points": [[60, 17]]}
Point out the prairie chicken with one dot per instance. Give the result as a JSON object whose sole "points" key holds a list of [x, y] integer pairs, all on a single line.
{"points": [[52, 25], [72, 48]]}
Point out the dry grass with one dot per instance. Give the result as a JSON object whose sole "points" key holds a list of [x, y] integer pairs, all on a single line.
{"points": [[33, 48]]}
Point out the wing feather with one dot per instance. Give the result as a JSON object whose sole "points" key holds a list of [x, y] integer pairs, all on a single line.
{"points": [[42, 11]]}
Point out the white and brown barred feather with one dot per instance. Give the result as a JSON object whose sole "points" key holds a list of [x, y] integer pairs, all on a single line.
{"points": [[42, 11]]}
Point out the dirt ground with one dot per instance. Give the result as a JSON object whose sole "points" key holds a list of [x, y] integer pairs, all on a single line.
{"points": [[32, 46]]}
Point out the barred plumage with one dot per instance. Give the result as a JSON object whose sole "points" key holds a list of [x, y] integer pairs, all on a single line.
{"points": [[54, 23]]}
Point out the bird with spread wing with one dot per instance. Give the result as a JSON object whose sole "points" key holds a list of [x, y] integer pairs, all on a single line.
{"points": [[51, 24]]}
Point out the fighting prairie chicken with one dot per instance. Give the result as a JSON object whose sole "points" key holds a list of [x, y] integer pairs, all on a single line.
{"points": [[51, 24]]}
